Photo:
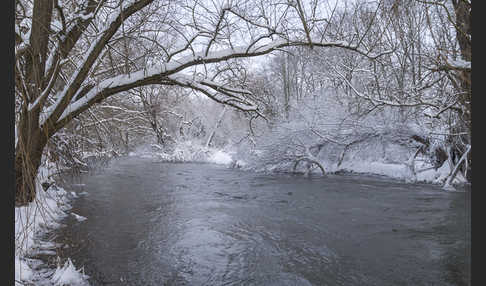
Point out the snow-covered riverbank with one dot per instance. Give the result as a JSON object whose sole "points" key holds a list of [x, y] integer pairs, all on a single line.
{"points": [[188, 152], [32, 223]]}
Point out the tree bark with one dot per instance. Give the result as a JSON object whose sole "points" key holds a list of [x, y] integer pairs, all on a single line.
{"points": [[42, 14], [463, 14], [28, 155]]}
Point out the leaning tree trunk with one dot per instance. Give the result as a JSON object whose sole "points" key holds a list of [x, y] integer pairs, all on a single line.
{"points": [[454, 170], [218, 123], [28, 155]]}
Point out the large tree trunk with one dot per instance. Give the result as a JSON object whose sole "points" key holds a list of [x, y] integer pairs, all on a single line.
{"points": [[463, 14], [31, 141], [28, 155]]}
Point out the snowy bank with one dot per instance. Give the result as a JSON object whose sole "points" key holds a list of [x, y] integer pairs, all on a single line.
{"points": [[400, 171], [186, 151], [220, 157], [191, 152], [32, 222], [424, 172]]}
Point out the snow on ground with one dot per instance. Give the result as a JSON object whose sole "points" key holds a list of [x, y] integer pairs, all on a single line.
{"points": [[68, 275], [398, 171], [220, 157], [378, 168], [436, 176], [424, 172], [31, 223], [189, 152], [186, 152], [79, 217]]}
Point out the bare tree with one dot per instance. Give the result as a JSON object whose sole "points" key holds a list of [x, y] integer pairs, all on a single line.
{"points": [[427, 74], [423, 81], [72, 55]]}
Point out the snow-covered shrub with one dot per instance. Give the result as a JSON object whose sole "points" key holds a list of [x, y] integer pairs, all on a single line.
{"points": [[324, 131]]}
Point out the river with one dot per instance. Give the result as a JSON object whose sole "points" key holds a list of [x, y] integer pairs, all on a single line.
{"points": [[156, 223]]}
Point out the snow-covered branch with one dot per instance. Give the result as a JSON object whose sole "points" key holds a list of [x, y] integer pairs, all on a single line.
{"points": [[171, 73], [92, 55]]}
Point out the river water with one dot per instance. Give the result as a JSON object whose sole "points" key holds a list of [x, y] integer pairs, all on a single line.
{"points": [[155, 223]]}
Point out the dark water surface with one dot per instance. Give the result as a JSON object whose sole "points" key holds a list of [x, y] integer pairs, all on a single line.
{"points": [[153, 223]]}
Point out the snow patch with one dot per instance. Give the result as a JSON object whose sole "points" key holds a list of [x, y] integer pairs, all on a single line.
{"points": [[79, 217], [390, 170], [186, 151], [23, 272], [220, 157], [35, 219], [68, 275]]}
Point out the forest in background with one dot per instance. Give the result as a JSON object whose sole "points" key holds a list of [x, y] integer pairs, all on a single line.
{"points": [[293, 85], [310, 87]]}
